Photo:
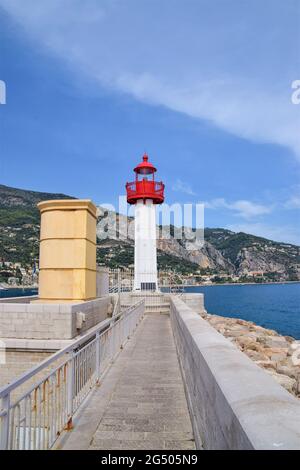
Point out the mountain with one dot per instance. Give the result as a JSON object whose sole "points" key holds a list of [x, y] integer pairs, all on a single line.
{"points": [[20, 223], [250, 253], [224, 251]]}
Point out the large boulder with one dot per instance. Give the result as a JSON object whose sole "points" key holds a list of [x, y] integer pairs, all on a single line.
{"points": [[288, 383], [277, 342]]}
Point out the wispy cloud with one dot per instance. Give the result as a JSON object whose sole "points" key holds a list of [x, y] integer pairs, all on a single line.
{"points": [[293, 203], [183, 187], [241, 208], [209, 63]]}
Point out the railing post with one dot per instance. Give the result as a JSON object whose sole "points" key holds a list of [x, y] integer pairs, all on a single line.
{"points": [[119, 281], [97, 357], [70, 389], [4, 429]]}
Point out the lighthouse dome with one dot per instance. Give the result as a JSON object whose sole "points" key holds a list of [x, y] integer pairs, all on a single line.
{"points": [[145, 167]]}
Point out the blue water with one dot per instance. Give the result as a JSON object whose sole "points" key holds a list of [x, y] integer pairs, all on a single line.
{"points": [[275, 306], [17, 292]]}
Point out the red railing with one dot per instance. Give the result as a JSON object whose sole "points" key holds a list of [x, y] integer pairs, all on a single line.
{"points": [[145, 190]]}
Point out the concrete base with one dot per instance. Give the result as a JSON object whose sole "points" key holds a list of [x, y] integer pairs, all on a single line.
{"points": [[45, 321]]}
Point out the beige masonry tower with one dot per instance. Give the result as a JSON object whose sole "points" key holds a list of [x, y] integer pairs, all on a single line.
{"points": [[67, 251]]}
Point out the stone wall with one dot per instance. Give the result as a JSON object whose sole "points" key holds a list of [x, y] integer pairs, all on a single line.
{"points": [[18, 300], [51, 321], [102, 287], [195, 302], [234, 404], [18, 362]]}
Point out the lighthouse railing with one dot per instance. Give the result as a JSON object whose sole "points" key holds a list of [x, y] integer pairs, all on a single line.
{"points": [[145, 188]]}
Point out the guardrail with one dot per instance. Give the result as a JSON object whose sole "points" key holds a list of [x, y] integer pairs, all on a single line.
{"points": [[36, 419], [122, 280]]}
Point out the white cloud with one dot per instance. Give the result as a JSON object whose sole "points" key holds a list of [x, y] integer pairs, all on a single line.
{"points": [[209, 63], [183, 187], [286, 234], [293, 203], [241, 208]]}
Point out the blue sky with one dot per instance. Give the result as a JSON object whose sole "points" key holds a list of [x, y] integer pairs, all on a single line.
{"points": [[204, 86]]}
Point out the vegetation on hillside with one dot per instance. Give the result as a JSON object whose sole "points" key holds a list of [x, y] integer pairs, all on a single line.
{"points": [[19, 242]]}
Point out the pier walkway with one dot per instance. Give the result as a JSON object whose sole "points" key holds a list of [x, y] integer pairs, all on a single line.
{"points": [[119, 386], [140, 403]]}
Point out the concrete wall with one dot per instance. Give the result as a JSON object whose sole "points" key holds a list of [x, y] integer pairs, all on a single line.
{"points": [[102, 281], [18, 362], [233, 403], [194, 301], [50, 321], [18, 300]]}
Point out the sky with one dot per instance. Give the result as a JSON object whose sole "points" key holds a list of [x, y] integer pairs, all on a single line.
{"points": [[203, 86]]}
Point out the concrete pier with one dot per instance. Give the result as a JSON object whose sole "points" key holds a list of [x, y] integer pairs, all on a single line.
{"points": [[141, 403], [163, 380]]}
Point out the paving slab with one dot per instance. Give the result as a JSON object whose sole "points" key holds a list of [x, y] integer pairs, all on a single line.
{"points": [[141, 402]]}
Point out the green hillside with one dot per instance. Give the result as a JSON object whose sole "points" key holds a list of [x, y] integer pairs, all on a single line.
{"points": [[224, 251]]}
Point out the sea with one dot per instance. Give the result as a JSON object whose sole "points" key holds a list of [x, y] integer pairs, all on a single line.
{"points": [[17, 292], [275, 306]]}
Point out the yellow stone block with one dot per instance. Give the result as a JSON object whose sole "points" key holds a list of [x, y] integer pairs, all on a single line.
{"points": [[67, 254], [68, 219], [67, 250], [71, 285]]}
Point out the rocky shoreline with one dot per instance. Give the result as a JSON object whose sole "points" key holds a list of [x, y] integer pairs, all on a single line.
{"points": [[278, 355]]}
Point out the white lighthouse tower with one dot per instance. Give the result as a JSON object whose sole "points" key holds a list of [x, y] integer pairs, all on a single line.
{"points": [[145, 193]]}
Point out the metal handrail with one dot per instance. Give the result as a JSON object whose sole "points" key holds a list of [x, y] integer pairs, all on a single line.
{"points": [[76, 343], [39, 415], [145, 189], [117, 307]]}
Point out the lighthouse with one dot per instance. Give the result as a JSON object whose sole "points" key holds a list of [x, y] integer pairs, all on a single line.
{"points": [[145, 193]]}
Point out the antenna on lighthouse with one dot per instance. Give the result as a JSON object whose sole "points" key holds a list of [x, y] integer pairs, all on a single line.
{"points": [[144, 193]]}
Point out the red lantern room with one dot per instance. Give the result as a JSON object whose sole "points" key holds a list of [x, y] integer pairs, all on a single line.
{"points": [[145, 187]]}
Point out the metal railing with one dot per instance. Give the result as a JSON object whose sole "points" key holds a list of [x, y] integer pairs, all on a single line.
{"points": [[122, 280], [117, 306], [145, 189], [37, 417]]}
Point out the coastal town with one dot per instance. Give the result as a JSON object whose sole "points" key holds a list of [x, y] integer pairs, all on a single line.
{"points": [[17, 275]]}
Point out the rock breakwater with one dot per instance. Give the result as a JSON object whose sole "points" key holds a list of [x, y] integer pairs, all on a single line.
{"points": [[278, 355]]}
